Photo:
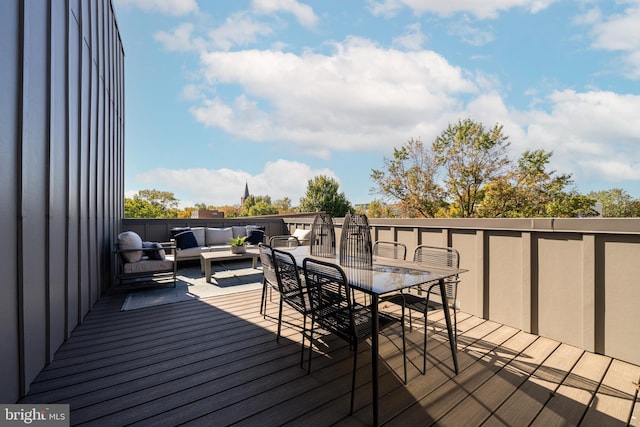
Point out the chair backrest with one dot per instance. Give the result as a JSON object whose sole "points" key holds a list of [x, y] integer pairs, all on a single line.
{"points": [[355, 241], [289, 281], [323, 236], [329, 297], [268, 265], [283, 242], [440, 256], [393, 250]]}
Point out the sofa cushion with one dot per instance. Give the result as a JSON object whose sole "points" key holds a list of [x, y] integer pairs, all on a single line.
{"points": [[198, 232], [239, 231], [218, 236], [191, 253], [157, 254], [186, 240], [148, 266], [127, 241]]}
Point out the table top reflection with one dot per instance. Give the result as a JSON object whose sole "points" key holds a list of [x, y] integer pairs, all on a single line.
{"points": [[385, 275]]}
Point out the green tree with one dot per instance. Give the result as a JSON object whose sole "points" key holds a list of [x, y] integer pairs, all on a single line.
{"points": [[322, 196], [471, 156], [377, 209], [616, 203], [258, 205], [283, 205], [409, 179], [530, 191], [571, 205], [151, 204]]}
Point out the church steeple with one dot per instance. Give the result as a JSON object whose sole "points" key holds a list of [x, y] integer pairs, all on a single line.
{"points": [[246, 194]]}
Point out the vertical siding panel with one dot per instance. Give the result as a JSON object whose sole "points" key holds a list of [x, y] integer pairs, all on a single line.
{"points": [[58, 193], [9, 121], [73, 221], [33, 204], [85, 161]]}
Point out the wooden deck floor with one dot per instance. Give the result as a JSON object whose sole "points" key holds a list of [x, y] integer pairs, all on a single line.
{"points": [[216, 362]]}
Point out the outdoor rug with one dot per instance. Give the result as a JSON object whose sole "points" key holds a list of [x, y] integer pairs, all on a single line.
{"points": [[228, 277]]}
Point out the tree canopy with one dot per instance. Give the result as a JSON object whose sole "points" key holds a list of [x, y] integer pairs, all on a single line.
{"points": [[530, 190], [258, 205], [616, 203], [410, 179], [151, 204], [471, 157], [323, 195], [467, 173]]}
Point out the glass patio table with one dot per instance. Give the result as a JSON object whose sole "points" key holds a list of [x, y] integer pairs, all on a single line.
{"points": [[383, 277]]}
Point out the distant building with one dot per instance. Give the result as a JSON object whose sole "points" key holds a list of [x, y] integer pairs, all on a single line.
{"points": [[245, 196], [206, 214]]}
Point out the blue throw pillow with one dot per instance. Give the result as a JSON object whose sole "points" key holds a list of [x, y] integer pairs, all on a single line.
{"points": [[186, 240], [255, 236], [157, 254], [176, 230]]}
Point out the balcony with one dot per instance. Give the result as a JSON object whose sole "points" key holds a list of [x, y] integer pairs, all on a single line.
{"points": [[215, 361]]}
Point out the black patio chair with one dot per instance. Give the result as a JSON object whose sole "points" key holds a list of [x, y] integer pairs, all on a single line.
{"points": [[391, 250], [333, 310], [434, 256], [269, 278], [292, 291], [283, 241]]}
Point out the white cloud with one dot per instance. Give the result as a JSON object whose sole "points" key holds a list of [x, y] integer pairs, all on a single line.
{"points": [[279, 179], [412, 39], [469, 33], [167, 7], [360, 97], [303, 13], [618, 32], [588, 133], [180, 39], [239, 29], [485, 9]]}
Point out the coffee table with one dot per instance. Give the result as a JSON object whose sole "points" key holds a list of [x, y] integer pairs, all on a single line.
{"points": [[208, 258]]}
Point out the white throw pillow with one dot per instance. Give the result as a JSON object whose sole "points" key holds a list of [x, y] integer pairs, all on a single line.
{"points": [[130, 240], [301, 234], [218, 236]]}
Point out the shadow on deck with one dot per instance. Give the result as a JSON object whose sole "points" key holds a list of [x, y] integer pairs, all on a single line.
{"points": [[215, 361]]}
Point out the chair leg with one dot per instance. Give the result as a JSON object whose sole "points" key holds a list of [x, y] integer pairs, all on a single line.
{"points": [[424, 346], [279, 321], [404, 347], [455, 327], [353, 378], [310, 348], [304, 332], [263, 301]]}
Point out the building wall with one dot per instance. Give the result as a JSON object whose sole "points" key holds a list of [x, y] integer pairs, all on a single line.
{"points": [[61, 174]]}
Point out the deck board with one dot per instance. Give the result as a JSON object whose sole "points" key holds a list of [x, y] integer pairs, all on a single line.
{"points": [[216, 361]]}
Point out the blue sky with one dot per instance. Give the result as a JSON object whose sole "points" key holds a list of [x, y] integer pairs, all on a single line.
{"points": [[275, 92]]}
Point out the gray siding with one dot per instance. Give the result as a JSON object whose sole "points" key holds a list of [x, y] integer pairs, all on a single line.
{"points": [[61, 174]]}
